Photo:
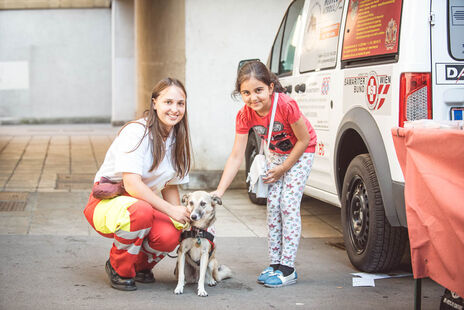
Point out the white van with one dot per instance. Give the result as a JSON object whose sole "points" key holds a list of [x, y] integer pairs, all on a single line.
{"points": [[358, 68]]}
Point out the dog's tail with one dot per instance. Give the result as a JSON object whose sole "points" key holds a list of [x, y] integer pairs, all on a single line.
{"points": [[223, 272]]}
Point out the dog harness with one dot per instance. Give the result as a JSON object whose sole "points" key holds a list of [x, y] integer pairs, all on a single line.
{"points": [[198, 233]]}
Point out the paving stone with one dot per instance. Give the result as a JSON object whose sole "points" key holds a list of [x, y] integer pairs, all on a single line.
{"points": [[312, 227], [14, 225], [334, 220], [59, 222]]}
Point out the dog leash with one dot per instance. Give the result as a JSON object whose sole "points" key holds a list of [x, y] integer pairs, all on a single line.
{"points": [[173, 251]]}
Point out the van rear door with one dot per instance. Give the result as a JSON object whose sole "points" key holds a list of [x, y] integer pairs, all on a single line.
{"points": [[447, 40]]}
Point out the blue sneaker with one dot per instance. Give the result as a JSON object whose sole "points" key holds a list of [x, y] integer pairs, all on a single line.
{"points": [[266, 273], [277, 279]]}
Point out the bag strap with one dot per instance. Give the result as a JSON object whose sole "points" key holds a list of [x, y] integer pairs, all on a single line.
{"points": [[271, 123]]}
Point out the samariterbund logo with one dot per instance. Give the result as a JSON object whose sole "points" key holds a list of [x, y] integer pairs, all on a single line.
{"points": [[376, 90], [454, 72]]}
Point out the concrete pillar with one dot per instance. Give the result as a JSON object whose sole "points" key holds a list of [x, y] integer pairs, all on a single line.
{"points": [[160, 45], [123, 62]]}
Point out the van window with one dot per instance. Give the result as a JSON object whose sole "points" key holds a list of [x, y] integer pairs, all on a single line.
{"points": [[276, 49], [456, 28], [283, 50], [372, 29], [320, 42]]}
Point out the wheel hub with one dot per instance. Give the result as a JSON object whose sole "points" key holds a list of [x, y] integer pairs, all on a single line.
{"points": [[358, 214]]}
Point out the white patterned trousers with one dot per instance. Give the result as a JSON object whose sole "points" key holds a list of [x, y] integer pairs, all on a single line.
{"points": [[283, 209]]}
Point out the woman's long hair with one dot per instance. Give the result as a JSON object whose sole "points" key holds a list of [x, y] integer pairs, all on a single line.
{"points": [[181, 150]]}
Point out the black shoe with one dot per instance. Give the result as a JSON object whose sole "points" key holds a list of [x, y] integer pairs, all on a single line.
{"points": [[144, 276], [118, 282]]}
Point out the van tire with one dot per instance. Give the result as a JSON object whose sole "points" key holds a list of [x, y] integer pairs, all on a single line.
{"points": [[372, 244], [252, 149]]}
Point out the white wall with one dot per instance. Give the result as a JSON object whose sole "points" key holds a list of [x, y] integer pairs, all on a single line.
{"points": [[67, 53], [123, 61], [218, 35]]}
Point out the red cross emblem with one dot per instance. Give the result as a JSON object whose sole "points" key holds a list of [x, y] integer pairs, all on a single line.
{"points": [[371, 92], [376, 93]]}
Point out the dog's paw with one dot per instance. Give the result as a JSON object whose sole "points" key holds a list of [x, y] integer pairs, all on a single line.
{"points": [[202, 293], [212, 282], [179, 290]]}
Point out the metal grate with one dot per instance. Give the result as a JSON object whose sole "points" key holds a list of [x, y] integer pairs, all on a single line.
{"points": [[74, 181], [13, 201]]}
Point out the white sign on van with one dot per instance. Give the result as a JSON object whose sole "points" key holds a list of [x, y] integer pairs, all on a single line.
{"points": [[451, 73], [370, 89], [315, 104], [14, 75], [319, 48]]}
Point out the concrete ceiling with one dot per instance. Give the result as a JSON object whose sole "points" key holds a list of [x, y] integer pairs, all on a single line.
{"points": [[53, 4]]}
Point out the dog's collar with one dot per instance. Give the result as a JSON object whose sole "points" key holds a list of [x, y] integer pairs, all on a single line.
{"points": [[198, 233], [195, 232]]}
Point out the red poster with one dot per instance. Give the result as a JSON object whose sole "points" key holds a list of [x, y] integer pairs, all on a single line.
{"points": [[372, 28]]}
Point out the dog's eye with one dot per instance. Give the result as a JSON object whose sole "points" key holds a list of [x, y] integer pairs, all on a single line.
{"points": [[191, 203], [202, 203]]}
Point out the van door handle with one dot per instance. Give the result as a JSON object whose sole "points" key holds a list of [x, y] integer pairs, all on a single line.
{"points": [[300, 88], [288, 89]]}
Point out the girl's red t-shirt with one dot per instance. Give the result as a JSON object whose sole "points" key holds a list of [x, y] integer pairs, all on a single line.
{"points": [[282, 139]]}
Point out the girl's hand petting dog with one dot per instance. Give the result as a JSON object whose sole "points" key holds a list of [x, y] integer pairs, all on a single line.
{"points": [[215, 193]]}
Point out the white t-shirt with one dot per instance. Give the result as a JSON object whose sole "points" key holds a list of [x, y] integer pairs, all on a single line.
{"points": [[119, 159]]}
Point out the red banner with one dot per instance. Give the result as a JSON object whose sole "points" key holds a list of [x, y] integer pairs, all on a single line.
{"points": [[431, 161], [372, 28]]}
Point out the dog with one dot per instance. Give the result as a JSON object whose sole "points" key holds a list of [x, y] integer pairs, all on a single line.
{"points": [[196, 261]]}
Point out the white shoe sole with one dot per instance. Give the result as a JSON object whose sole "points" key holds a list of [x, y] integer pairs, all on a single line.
{"points": [[290, 282]]}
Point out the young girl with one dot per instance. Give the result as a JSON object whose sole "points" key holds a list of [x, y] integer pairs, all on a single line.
{"points": [[292, 149], [149, 155]]}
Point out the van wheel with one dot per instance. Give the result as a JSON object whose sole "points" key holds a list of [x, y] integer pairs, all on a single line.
{"points": [[372, 244], [252, 149]]}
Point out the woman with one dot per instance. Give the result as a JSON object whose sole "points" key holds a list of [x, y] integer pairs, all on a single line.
{"points": [[149, 155]]}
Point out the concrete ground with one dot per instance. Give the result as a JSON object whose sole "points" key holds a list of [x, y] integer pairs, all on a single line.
{"points": [[52, 259]]}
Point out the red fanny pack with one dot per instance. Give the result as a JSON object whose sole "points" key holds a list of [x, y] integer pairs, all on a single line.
{"points": [[107, 189]]}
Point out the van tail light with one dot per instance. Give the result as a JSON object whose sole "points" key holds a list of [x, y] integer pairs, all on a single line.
{"points": [[415, 96]]}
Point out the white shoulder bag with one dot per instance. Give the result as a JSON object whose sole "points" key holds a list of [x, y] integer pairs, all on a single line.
{"points": [[258, 167]]}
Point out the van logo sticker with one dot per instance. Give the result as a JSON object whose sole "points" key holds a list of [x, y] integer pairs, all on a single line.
{"points": [[390, 34], [454, 72], [325, 86], [377, 90], [369, 90]]}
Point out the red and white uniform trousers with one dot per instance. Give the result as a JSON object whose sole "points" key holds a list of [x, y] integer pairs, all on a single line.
{"points": [[142, 235]]}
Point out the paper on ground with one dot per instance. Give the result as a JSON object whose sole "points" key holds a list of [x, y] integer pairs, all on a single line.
{"points": [[376, 276], [363, 282], [368, 279]]}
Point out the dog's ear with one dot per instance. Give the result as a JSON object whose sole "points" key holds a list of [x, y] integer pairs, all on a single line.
{"points": [[185, 198], [216, 200]]}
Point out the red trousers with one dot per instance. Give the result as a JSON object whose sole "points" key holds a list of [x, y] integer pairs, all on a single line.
{"points": [[142, 235]]}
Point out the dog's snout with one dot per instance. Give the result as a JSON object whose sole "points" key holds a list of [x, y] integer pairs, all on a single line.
{"points": [[193, 217]]}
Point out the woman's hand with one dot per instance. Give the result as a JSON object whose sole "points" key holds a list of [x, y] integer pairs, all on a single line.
{"points": [[274, 174], [180, 214]]}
